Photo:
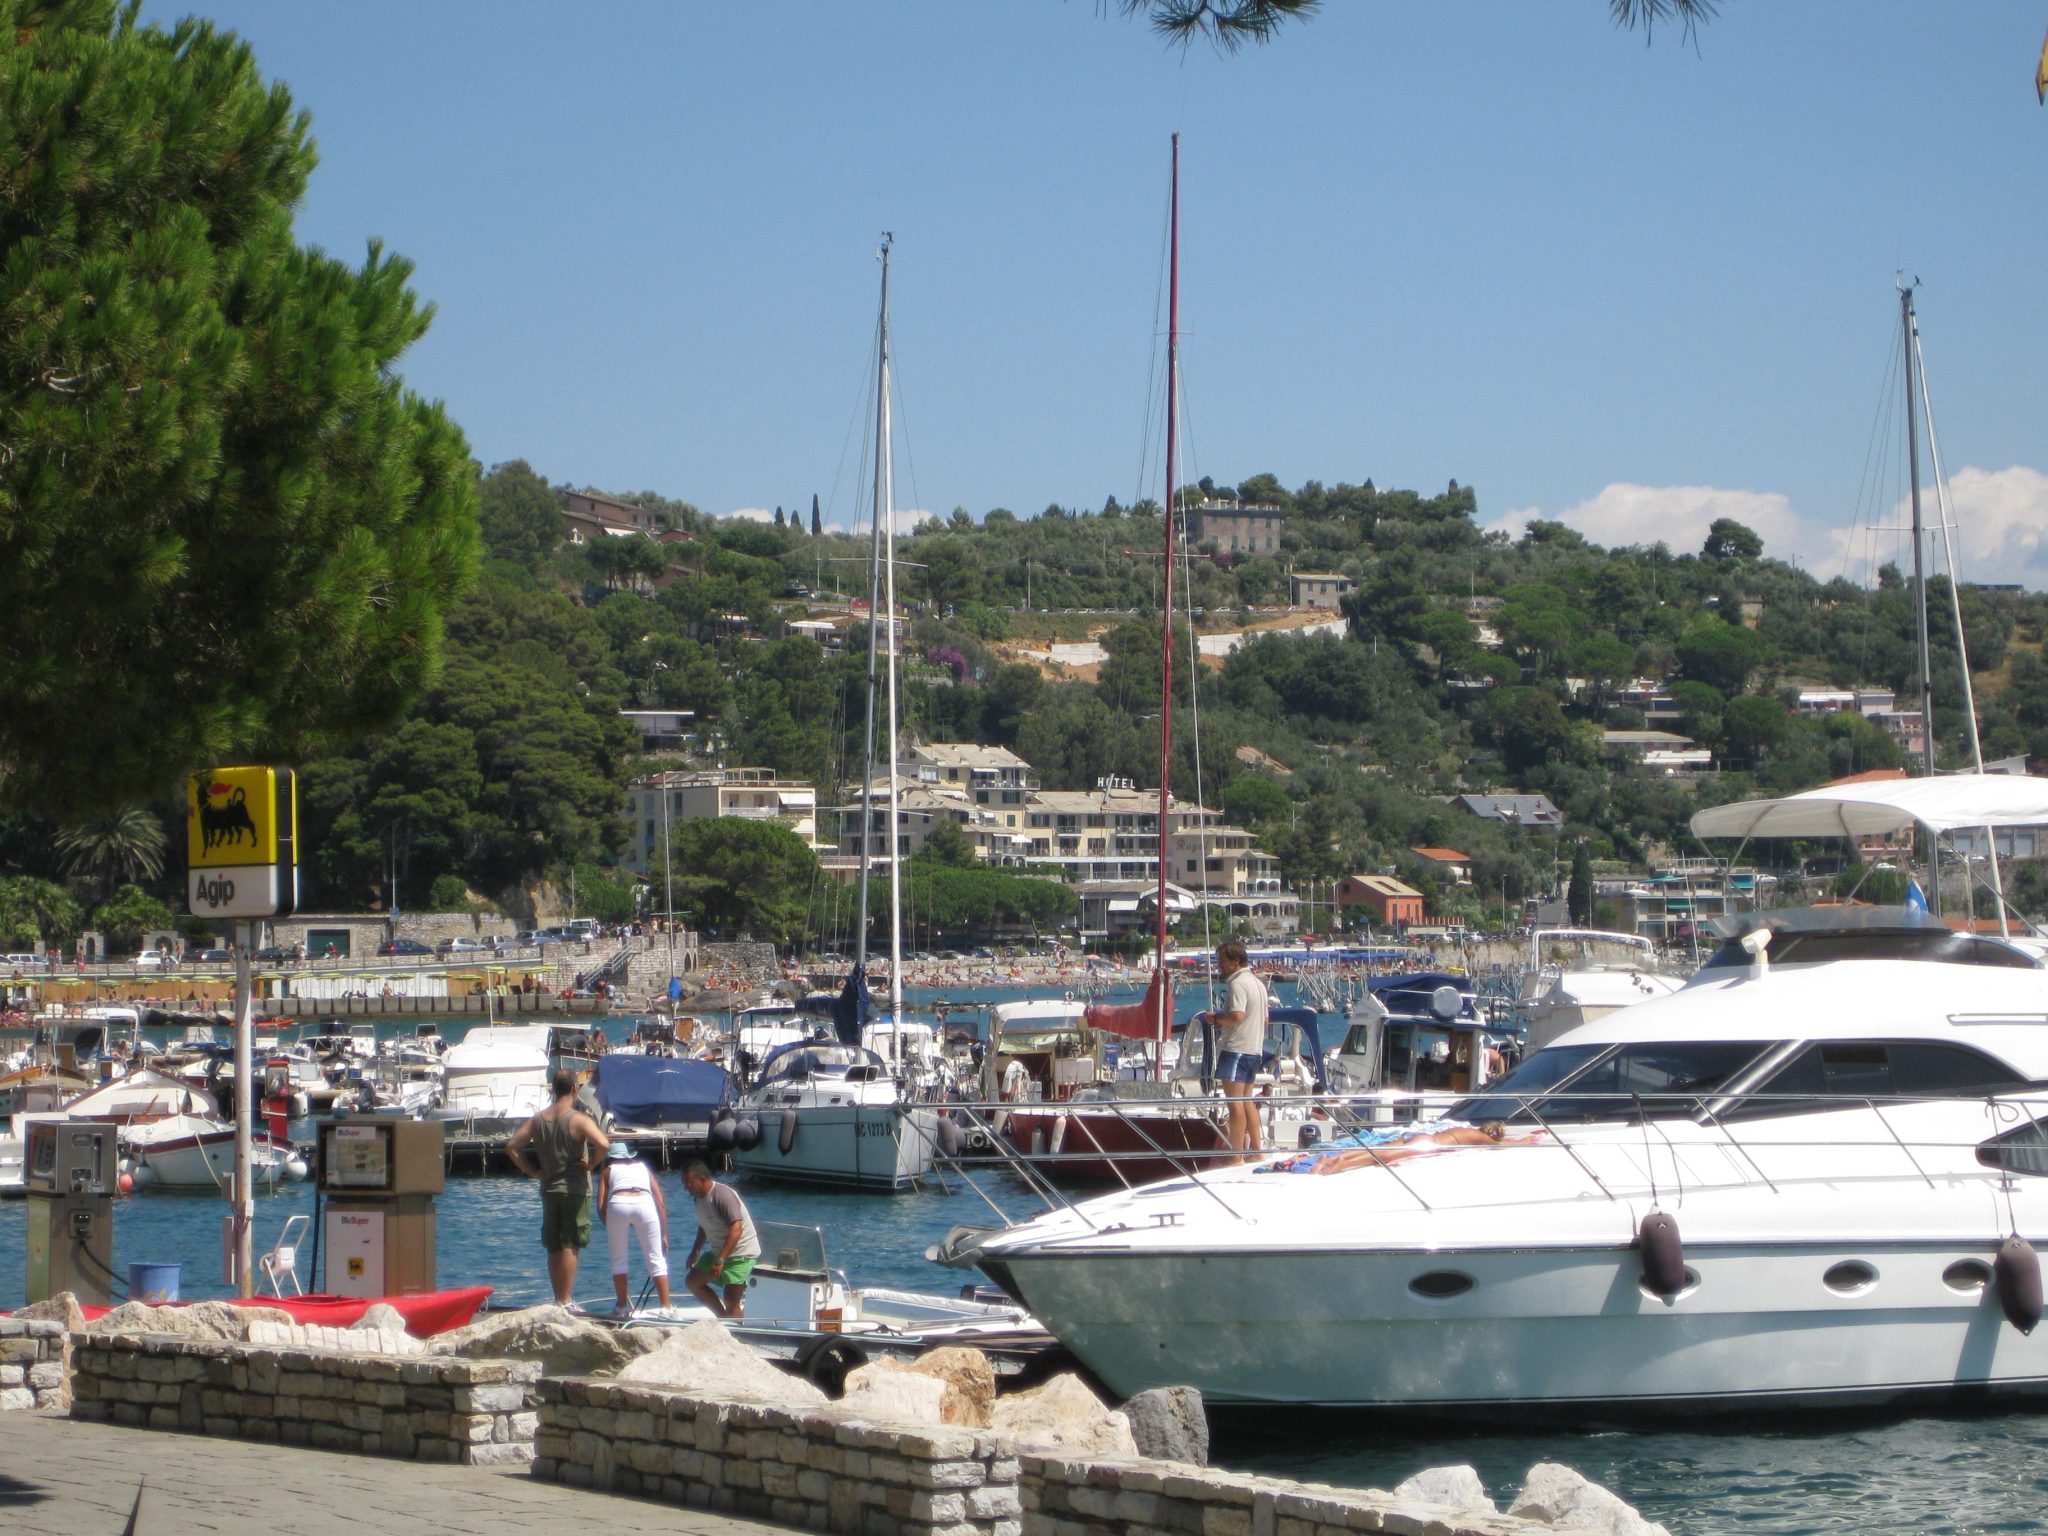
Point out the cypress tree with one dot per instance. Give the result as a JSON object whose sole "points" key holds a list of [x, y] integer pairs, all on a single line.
{"points": [[227, 530], [1578, 896], [817, 528]]}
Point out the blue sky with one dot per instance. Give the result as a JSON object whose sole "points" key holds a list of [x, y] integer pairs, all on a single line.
{"points": [[1506, 244]]}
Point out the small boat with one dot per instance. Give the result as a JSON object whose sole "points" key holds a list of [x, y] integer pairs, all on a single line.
{"points": [[496, 1078], [669, 1095], [830, 1114], [198, 1152], [426, 1313], [1573, 976]]}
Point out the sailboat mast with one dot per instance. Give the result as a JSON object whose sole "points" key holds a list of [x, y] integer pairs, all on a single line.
{"points": [[1163, 1025], [885, 513], [1919, 540], [867, 778]]}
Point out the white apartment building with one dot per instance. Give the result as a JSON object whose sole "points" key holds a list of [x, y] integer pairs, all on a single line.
{"points": [[753, 794]]}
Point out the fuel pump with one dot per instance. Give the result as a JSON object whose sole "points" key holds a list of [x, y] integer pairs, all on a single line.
{"points": [[68, 1175]]}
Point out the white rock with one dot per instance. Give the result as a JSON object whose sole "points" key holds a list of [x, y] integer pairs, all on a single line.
{"points": [[1456, 1488], [887, 1393], [380, 1318], [199, 1320], [704, 1357], [565, 1344], [1554, 1492], [1063, 1415], [62, 1307], [348, 1341]]}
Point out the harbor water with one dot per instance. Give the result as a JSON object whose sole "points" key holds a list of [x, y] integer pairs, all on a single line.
{"points": [[1967, 1475]]}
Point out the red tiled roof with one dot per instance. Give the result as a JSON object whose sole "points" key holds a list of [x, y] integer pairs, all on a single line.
{"points": [[1444, 855]]}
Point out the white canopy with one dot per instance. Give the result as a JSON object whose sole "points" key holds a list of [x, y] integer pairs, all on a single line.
{"points": [[1859, 810]]}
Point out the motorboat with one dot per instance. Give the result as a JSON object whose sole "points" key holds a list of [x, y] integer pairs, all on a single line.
{"points": [[1415, 1043], [197, 1151], [495, 1078], [797, 1302], [829, 1114], [1840, 1138], [1573, 976], [669, 1095]]}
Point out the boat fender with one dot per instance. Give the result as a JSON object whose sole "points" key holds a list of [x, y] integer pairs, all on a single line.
{"points": [[786, 1137], [746, 1134], [827, 1360], [1664, 1256], [2017, 1272], [723, 1135], [948, 1135], [1059, 1135], [295, 1168]]}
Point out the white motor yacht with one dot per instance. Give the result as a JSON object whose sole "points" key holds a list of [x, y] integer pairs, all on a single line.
{"points": [[1792, 1183], [495, 1078], [1573, 976]]}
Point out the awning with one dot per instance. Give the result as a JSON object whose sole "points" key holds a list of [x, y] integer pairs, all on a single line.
{"points": [[1863, 810]]}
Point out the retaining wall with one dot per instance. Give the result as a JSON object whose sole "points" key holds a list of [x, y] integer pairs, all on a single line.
{"points": [[33, 1371], [478, 1412], [827, 1471]]}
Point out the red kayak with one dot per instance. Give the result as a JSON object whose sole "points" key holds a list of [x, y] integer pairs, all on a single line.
{"points": [[425, 1315]]}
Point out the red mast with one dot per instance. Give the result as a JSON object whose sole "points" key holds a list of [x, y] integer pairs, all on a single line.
{"points": [[1164, 1024]]}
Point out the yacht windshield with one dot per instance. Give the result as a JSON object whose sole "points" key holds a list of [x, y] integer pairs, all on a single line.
{"points": [[1654, 1078], [1942, 945]]}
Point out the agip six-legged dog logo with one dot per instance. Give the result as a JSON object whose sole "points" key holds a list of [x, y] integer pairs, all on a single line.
{"points": [[224, 824]]}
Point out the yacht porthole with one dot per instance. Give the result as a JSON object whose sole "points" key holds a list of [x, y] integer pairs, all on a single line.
{"points": [[1967, 1275], [1692, 1283], [1441, 1284], [1851, 1277]]}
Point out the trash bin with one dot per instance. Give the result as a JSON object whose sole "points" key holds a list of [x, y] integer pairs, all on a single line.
{"points": [[153, 1282]]}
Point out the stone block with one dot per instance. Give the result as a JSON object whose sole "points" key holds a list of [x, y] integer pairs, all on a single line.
{"points": [[1003, 1469], [13, 1375], [947, 1474], [510, 1455], [994, 1504], [508, 1397], [15, 1399]]}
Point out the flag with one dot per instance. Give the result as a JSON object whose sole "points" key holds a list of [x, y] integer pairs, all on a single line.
{"points": [[1916, 899], [675, 989], [850, 1008], [2041, 74]]}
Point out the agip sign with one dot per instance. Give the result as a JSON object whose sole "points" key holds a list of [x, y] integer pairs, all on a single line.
{"points": [[241, 842]]}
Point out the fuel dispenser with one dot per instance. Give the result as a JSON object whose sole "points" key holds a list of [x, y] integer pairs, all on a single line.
{"points": [[68, 1175], [378, 1176]]}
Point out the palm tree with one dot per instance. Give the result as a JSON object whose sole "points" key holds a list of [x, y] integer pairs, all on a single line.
{"points": [[126, 846]]}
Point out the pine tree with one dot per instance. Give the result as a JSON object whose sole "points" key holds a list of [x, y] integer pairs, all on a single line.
{"points": [[226, 528]]}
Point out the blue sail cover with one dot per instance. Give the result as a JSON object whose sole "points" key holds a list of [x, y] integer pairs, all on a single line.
{"points": [[1303, 1019], [850, 1012], [660, 1090]]}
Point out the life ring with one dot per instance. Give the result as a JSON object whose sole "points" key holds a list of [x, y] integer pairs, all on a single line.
{"points": [[1067, 997], [785, 1138]]}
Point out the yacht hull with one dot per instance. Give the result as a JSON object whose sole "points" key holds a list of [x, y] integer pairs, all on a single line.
{"points": [[844, 1146], [1539, 1331]]}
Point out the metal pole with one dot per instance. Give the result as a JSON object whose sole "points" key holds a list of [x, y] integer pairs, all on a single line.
{"points": [[1920, 589], [668, 880], [243, 1189], [1163, 1025]]}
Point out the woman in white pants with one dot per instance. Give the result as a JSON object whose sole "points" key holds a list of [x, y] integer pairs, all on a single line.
{"points": [[629, 1200]]}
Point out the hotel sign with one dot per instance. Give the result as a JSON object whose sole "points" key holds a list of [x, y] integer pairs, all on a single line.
{"points": [[241, 842]]}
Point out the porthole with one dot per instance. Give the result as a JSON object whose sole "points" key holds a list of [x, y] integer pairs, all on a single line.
{"points": [[1441, 1284], [1851, 1277], [1692, 1283], [1967, 1275]]}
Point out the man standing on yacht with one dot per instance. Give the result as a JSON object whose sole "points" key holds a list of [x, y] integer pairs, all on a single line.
{"points": [[566, 1145], [726, 1245], [1240, 1035]]}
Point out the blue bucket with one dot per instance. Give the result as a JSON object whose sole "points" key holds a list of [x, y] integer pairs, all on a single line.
{"points": [[153, 1282]]}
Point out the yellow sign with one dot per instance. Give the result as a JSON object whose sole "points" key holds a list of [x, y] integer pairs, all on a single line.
{"points": [[231, 817]]}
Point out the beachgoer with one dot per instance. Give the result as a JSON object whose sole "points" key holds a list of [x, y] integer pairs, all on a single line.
{"points": [[1240, 1035], [726, 1245], [566, 1145], [629, 1200]]}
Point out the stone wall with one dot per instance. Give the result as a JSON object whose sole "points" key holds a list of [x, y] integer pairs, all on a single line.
{"points": [[824, 1469], [478, 1412], [32, 1365], [819, 1469], [752, 959]]}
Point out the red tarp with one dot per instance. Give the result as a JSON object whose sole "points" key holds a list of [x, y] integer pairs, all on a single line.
{"points": [[425, 1315], [1139, 1020]]}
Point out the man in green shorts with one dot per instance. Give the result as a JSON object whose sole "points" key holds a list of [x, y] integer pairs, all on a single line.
{"points": [[566, 1144], [726, 1245]]}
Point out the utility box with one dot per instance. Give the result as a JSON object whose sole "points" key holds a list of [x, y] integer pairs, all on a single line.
{"points": [[378, 1176], [68, 1175]]}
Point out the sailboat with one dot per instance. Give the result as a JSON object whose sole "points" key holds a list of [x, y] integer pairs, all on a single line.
{"points": [[1136, 1131], [831, 1112]]}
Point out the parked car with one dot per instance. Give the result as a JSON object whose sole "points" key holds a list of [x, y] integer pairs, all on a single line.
{"points": [[582, 928], [212, 957], [274, 954], [525, 937], [462, 947], [403, 947], [151, 960]]}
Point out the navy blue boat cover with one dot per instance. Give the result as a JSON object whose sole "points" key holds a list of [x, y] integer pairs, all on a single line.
{"points": [[659, 1090]]}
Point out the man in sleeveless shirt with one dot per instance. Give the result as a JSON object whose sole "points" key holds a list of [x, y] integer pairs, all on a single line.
{"points": [[726, 1247], [559, 1146]]}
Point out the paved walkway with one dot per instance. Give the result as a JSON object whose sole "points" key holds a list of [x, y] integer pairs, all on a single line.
{"points": [[63, 1478]]}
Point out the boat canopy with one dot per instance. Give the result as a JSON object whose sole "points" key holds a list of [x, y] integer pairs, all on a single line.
{"points": [[1943, 804], [659, 1090], [816, 1058]]}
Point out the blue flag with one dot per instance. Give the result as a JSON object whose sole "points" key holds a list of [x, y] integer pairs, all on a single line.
{"points": [[1916, 899], [675, 989], [850, 1009]]}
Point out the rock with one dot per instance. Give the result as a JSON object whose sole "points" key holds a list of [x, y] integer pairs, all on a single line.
{"points": [[888, 1392], [1554, 1492], [196, 1320], [1064, 1416], [381, 1318], [704, 1357], [60, 1308], [565, 1344], [970, 1382], [1169, 1424], [1455, 1488]]}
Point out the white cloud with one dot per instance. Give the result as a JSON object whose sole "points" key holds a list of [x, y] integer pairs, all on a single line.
{"points": [[752, 514], [2001, 519]]}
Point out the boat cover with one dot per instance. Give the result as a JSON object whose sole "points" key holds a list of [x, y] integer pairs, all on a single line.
{"points": [[659, 1090], [1139, 1020], [425, 1314], [1941, 804]]}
